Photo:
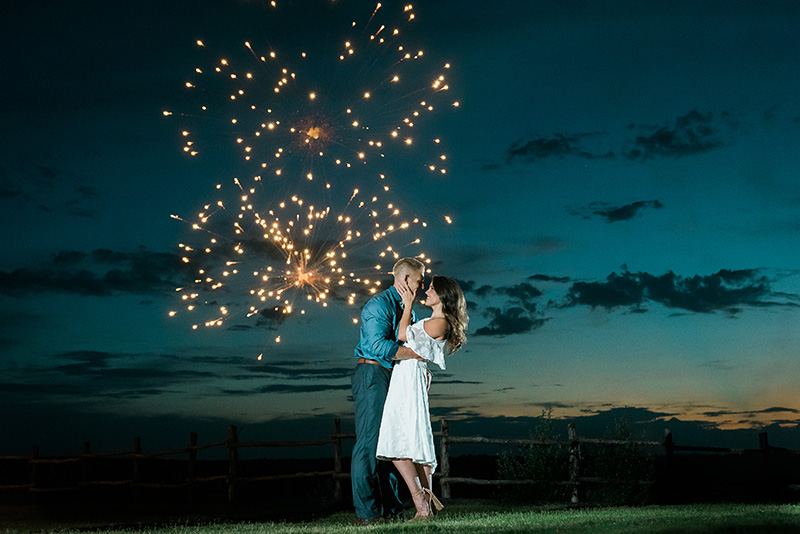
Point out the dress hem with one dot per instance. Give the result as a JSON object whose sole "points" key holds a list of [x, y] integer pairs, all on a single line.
{"points": [[416, 461]]}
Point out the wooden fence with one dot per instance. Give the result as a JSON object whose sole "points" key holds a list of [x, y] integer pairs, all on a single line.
{"points": [[574, 443], [233, 479]]}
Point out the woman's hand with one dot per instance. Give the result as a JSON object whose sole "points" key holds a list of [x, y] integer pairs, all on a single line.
{"points": [[406, 295]]}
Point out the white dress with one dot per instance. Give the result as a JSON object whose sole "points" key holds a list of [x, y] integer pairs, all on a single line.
{"points": [[406, 423]]}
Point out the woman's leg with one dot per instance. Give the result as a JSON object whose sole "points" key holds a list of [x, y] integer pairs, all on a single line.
{"points": [[408, 470], [425, 475]]}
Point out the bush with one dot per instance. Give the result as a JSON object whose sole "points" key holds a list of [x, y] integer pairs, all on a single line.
{"points": [[547, 464], [630, 465]]}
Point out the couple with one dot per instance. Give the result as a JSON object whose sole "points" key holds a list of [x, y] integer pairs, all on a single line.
{"points": [[390, 391]]}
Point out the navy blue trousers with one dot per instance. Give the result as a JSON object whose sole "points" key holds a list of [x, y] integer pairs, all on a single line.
{"points": [[374, 482]]}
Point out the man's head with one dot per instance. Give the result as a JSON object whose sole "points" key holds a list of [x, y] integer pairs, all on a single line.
{"points": [[409, 270]]}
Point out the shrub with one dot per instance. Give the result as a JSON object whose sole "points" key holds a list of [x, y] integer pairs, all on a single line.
{"points": [[545, 463], [630, 465]]}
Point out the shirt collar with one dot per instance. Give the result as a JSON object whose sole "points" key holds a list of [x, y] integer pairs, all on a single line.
{"points": [[395, 296], [394, 293]]}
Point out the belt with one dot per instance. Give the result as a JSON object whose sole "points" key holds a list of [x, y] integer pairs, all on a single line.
{"points": [[365, 360]]}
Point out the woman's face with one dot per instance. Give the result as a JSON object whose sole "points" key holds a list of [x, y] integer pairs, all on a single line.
{"points": [[431, 298]]}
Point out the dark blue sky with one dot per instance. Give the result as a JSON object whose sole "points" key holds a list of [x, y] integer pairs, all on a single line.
{"points": [[621, 180]]}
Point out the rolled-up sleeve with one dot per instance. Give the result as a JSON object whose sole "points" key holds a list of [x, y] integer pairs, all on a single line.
{"points": [[378, 338]]}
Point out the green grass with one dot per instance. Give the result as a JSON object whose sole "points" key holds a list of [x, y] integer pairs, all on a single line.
{"points": [[491, 519]]}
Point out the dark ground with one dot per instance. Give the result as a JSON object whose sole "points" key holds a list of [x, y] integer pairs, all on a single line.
{"points": [[692, 478]]}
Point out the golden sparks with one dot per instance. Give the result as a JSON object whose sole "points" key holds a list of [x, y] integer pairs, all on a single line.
{"points": [[291, 234]]}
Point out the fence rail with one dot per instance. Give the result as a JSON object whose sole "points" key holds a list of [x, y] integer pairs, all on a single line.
{"points": [[234, 478], [574, 443]]}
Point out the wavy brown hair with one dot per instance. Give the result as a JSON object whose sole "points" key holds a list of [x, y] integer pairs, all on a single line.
{"points": [[454, 307]]}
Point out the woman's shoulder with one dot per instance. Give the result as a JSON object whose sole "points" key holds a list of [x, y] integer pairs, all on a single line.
{"points": [[435, 327]]}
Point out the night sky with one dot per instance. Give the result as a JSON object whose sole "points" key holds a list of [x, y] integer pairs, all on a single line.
{"points": [[621, 204]]}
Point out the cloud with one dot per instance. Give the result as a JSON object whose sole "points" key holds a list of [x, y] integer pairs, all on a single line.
{"points": [[509, 321], [271, 317], [615, 213], [110, 369], [441, 380], [26, 180], [87, 374], [548, 278], [517, 315], [92, 379], [726, 290], [7, 192], [288, 388], [295, 371], [558, 146], [542, 245], [693, 133], [522, 309], [522, 293], [100, 273], [752, 413], [68, 258], [40, 388], [689, 134], [85, 360]]}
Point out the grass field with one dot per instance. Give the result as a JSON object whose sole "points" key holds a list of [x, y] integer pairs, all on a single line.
{"points": [[488, 518]]}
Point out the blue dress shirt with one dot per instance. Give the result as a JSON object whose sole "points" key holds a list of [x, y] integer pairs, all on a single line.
{"points": [[379, 320]]}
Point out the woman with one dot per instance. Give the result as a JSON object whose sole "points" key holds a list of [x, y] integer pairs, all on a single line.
{"points": [[405, 434]]}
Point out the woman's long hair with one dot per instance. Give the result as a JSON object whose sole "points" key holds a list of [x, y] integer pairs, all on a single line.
{"points": [[454, 307]]}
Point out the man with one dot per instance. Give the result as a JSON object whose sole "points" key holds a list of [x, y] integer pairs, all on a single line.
{"points": [[375, 494]]}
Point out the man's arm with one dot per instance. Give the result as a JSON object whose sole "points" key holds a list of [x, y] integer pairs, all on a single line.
{"points": [[379, 334], [405, 353]]}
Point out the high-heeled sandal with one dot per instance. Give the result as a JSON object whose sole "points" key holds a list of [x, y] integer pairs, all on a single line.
{"points": [[433, 500], [424, 501]]}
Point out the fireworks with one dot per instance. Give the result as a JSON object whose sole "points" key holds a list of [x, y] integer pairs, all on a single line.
{"points": [[315, 128], [292, 254], [326, 112]]}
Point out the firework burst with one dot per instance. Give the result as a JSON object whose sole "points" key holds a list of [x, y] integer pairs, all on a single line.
{"points": [[274, 260], [326, 112], [315, 127]]}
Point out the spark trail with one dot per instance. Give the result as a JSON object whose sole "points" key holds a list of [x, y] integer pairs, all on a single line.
{"points": [[316, 128]]}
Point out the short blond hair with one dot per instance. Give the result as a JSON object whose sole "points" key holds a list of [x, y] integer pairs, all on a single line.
{"points": [[406, 266]]}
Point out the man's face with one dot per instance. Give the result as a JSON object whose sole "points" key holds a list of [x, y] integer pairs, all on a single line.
{"points": [[415, 280]]}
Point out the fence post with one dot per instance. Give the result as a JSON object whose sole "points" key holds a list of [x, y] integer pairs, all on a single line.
{"points": [[574, 461], [766, 454], [337, 458], [444, 452], [669, 453], [34, 472], [136, 457], [233, 459], [669, 447], [669, 464], [191, 473], [87, 450], [763, 445]]}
